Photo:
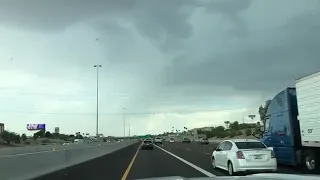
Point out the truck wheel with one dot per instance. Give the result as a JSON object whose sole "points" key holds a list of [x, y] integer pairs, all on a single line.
{"points": [[310, 161]]}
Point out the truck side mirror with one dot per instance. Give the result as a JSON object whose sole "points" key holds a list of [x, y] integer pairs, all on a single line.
{"points": [[271, 148]]}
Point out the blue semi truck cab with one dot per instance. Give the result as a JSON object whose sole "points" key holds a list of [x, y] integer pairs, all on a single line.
{"points": [[283, 132]]}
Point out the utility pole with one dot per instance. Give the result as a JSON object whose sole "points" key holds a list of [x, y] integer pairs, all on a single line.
{"points": [[124, 122], [97, 128]]}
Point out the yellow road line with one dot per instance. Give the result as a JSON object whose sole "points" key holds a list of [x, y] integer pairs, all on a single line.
{"points": [[125, 175]]}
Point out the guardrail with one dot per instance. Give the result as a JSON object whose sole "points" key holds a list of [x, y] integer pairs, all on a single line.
{"points": [[29, 164]]}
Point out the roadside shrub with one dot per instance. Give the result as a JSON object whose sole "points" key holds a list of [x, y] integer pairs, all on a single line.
{"points": [[24, 137], [27, 143], [17, 138], [248, 132], [10, 136], [239, 133], [45, 141], [233, 133]]}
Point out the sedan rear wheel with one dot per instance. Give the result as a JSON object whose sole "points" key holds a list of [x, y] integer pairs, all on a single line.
{"points": [[230, 169]]}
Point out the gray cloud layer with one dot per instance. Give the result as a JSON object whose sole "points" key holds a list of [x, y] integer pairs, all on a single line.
{"points": [[172, 52]]}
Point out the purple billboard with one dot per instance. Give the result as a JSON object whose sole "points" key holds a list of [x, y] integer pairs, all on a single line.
{"points": [[36, 127]]}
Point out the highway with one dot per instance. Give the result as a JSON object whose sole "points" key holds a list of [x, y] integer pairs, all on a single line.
{"points": [[34, 161], [170, 159]]}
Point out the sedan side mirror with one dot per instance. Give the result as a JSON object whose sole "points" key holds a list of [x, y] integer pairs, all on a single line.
{"points": [[218, 149]]}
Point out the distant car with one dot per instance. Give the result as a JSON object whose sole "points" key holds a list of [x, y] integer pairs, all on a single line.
{"points": [[186, 140], [171, 140], [147, 144], [66, 143], [242, 155], [203, 141], [158, 140]]}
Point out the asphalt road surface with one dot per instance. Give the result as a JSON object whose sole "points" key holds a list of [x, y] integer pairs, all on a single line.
{"points": [[133, 163]]}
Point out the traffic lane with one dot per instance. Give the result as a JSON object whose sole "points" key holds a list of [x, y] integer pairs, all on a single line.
{"points": [[286, 169], [195, 146], [110, 166], [199, 155], [157, 163]]}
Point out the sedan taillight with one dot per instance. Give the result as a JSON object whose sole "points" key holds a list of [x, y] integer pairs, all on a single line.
{"points": [[240, 155]]}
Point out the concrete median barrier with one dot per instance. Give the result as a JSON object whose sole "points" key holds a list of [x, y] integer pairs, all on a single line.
{"points": [[30, 164]]}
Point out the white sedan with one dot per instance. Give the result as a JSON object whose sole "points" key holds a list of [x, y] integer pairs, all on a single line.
{"points": [[241, 155]]}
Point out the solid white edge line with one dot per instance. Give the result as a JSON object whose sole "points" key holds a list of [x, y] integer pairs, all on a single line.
{"points": [[189, 163]]}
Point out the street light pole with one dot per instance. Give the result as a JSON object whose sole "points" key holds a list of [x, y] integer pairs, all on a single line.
{"points": [[129, 126], [124, 122], [97, 128]]}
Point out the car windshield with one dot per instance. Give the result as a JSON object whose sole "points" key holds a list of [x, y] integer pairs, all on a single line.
{"points": [[250, 145], [133, 89]]}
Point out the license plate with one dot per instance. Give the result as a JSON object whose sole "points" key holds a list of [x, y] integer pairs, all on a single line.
{"points": [[257, 157]]}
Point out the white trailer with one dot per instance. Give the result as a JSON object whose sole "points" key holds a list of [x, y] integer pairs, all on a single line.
{"points": [[308, 101]]}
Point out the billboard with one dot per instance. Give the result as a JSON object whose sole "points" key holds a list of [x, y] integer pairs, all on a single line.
{"points": [[36, 127], [56, 130]]}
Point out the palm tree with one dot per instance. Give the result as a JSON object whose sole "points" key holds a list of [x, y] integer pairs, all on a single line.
{"points": [[227, 124]]}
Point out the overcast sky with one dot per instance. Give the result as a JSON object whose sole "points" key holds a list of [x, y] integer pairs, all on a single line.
{"points": [[181, 63]]}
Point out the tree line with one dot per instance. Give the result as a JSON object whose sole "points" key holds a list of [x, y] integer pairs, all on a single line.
{"points": [[9, 136], [234, 129]]}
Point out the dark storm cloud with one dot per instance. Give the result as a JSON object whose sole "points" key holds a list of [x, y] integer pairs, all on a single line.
{"points": [[153, 17], [164, 22], [287, 53], [231, 9], [167, 21], [47, 15]]}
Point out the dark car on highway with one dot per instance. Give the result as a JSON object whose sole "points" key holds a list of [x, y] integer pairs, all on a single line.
{"points": [[203, 141], [147, 144], [186, 140]]}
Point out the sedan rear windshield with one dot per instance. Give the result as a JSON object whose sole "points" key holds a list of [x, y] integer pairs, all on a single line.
{"points": [[147, 141], [250, 145]]}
